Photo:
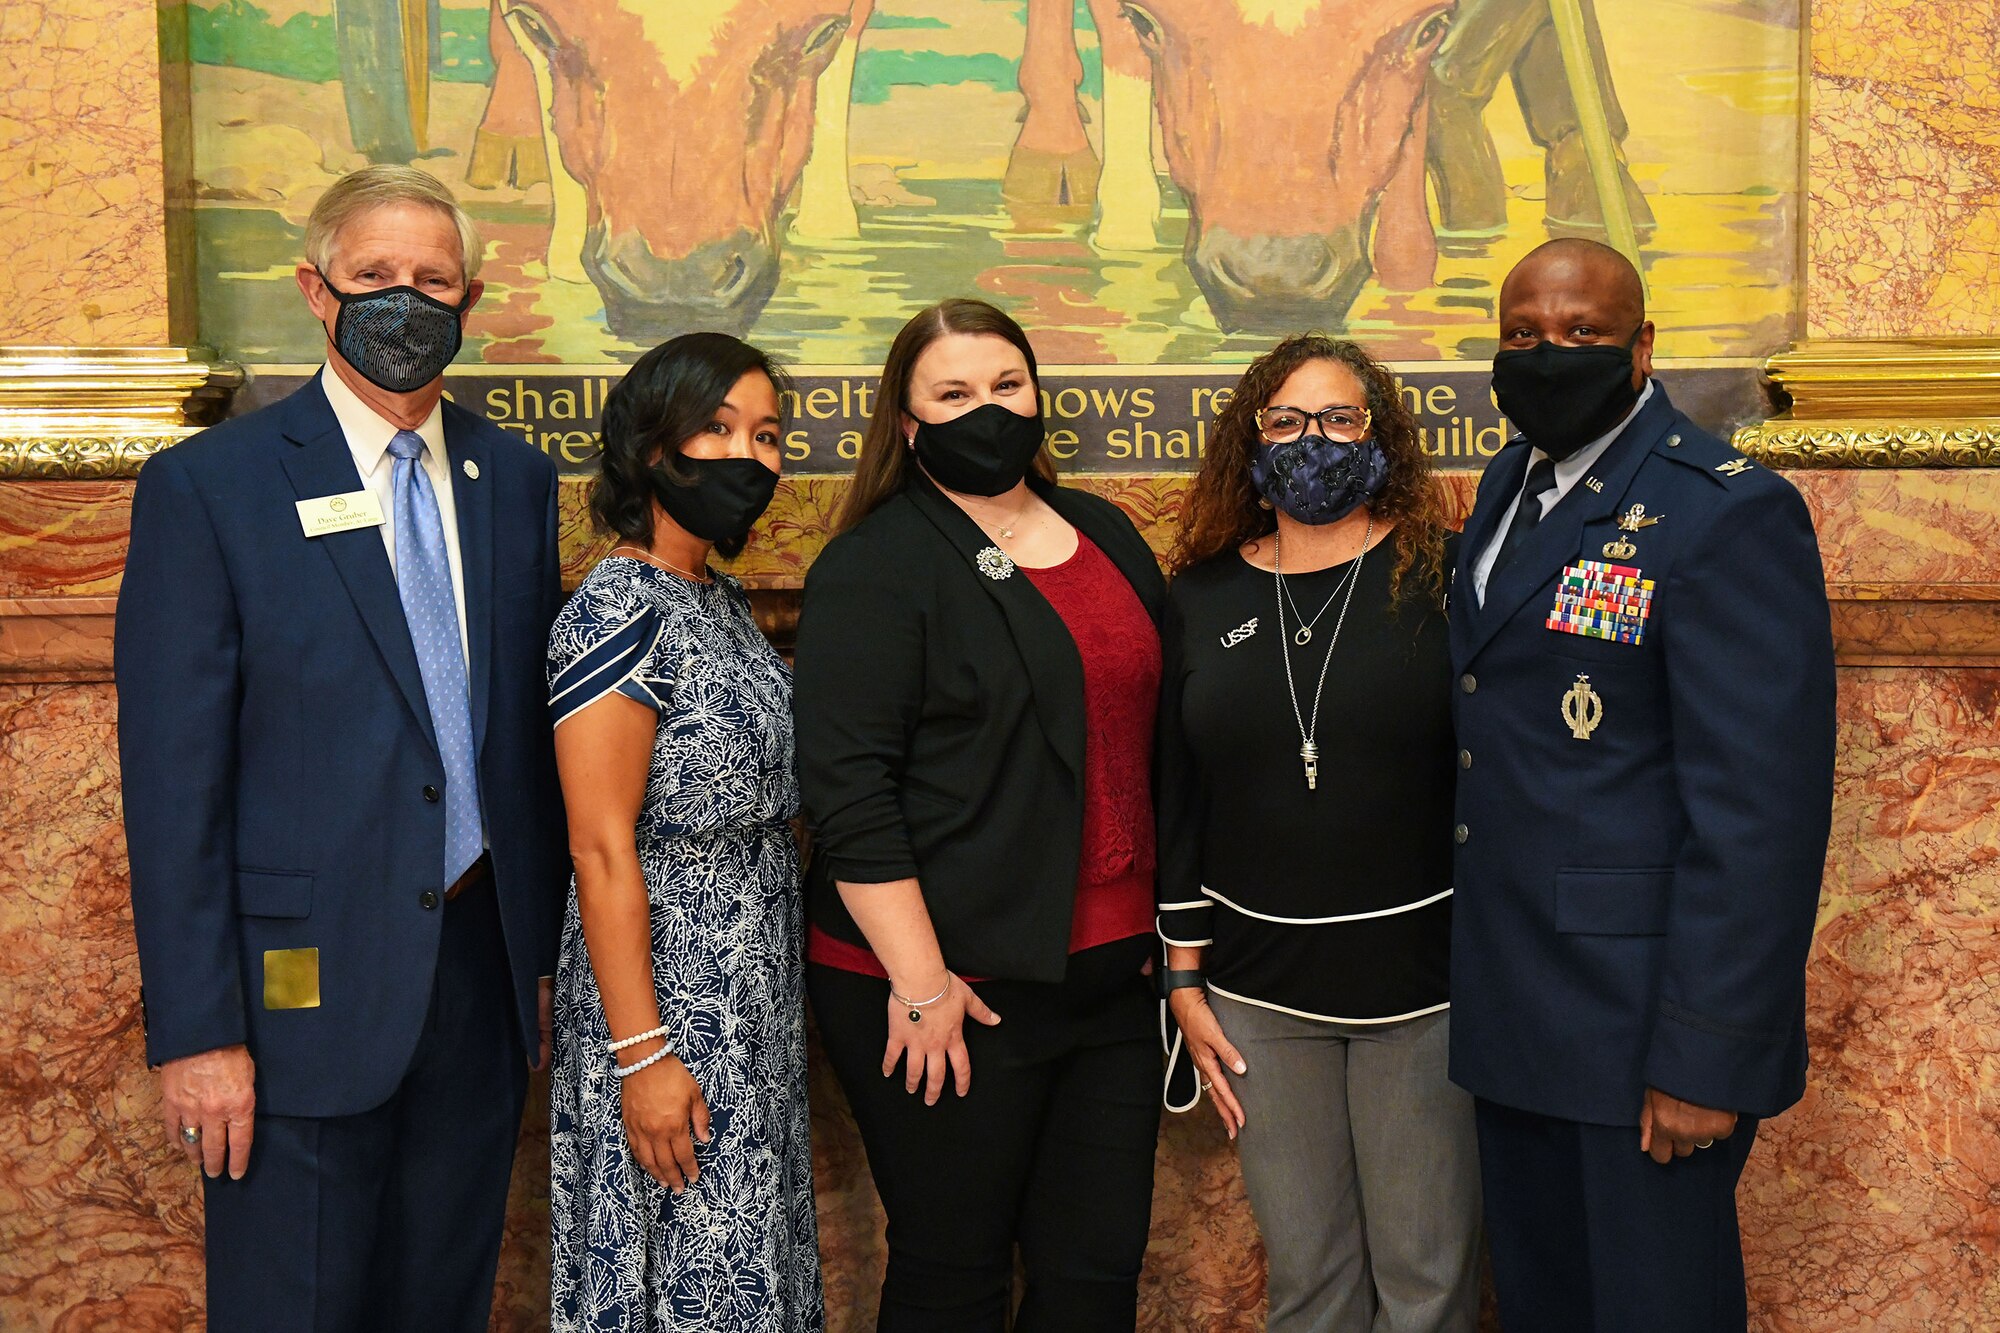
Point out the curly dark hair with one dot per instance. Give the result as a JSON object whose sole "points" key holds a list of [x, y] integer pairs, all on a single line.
{"points": [[665, 399], [1220, 512]]}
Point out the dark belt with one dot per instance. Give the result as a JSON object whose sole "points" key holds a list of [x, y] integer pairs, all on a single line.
{"points": [[475, 874]]}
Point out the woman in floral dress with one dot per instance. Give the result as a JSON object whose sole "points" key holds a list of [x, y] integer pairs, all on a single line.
{"points": [[681, 1169]]}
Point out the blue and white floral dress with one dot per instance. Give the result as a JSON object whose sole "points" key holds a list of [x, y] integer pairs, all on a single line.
{"points": [[740, 1249]]}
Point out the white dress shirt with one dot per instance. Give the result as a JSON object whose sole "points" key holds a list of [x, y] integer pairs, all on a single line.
{"points": [[1569, 472], [368, 436]]}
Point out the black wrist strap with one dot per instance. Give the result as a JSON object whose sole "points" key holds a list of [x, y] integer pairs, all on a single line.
{"points": [[1171, 981]]}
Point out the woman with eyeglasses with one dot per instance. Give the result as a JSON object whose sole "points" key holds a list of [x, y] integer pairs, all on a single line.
{"points": [[1306, 784]]}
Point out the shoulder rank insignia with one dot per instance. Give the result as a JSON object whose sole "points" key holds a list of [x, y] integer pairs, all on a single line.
{"points": [[1735, 467]]}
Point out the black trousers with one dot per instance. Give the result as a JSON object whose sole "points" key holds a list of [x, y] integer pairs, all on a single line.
{"points": [[1052, 1150], [388, 1220], [1590, 1235]]}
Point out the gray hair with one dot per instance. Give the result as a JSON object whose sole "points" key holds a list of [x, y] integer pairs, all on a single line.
{"points": [[379, 186]]}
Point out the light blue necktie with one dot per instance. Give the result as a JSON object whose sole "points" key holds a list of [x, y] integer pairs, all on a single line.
{"points": [[423, 578]]}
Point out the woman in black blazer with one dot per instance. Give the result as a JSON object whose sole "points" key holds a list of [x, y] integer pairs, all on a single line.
{"points": [[976, 688]]}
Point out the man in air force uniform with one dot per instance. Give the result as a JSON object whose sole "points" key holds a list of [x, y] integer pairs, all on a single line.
{"points": [[1645, 706]]}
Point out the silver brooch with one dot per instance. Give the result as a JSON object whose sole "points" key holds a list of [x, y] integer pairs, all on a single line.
{"points": [[995, 564]]}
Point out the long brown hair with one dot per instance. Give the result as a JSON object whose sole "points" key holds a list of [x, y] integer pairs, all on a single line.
{"points": [[1221, 511], [885, 458]]}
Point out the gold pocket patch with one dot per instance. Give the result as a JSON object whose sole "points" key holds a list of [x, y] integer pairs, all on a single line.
{"points": [[291, 978]]}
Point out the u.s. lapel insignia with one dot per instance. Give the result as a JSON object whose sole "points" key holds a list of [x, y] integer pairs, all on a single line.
{"points": [[1582, 708], [1735, 467], [1631, 521], [1240, 633], [1596, 486], [995, 564], [471, 470]]}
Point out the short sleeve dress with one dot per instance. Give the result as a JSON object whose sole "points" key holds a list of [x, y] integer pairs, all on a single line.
{"points": [[739, 1249]]}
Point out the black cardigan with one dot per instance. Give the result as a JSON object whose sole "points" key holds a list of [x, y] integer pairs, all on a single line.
{"points": [[940, 727]]}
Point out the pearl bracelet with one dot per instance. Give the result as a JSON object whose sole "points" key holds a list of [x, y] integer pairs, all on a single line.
{"points": [[626, 1071], [659, 1031]]}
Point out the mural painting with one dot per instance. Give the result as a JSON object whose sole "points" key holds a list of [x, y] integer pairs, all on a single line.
{"points": [[1155, 189]]}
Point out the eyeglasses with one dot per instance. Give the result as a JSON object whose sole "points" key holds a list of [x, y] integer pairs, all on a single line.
{"points": [[1282, 425]]}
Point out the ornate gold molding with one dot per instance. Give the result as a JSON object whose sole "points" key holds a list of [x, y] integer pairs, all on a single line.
{"points": [[1914, 403], [1786, 443], [73, 413]]}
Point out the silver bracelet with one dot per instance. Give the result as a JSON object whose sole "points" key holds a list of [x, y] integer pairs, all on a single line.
{"points": [[626, 1071], [917, 1007], [659, 1031]]}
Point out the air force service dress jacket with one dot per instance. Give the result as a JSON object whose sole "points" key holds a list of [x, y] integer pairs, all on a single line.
{"points": [[1645, 708], [281, 780]]}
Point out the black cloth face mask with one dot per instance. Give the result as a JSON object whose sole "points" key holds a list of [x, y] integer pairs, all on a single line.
{"points": [[985, 452], [1562, 398], [397, 337], [728, 496]]}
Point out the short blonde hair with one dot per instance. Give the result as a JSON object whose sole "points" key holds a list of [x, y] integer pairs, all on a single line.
{"points": [[379, 186]]}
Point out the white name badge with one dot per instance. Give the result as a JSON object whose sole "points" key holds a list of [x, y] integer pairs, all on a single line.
{"points": [[338, 513]]}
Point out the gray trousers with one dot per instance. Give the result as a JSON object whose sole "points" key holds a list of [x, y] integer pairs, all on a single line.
{"points": [[1362, 1164]]}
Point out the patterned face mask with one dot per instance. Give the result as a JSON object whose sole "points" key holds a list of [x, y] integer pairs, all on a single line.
{"points": [[1317, 480], [397, 337]]}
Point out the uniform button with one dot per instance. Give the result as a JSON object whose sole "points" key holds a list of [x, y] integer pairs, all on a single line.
{"points": [[1673, 441], [430, 794], [1465, 759], [1460, 834], [428, 900], [1468, 683]]}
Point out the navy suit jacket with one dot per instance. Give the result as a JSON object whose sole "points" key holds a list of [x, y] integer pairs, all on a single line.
{"points": [[1634, 909], [277, 748]]}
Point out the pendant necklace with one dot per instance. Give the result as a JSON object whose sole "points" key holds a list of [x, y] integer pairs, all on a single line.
{"points": [[638, 553], [1309, 731], [1303, 635]]}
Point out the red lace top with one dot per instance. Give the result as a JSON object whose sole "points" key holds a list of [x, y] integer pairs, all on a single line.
{"points": [[1120, 649]]}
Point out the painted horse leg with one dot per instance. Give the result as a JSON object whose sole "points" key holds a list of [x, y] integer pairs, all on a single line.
{"points": [[1404, 249], [1052, 172], [1486, 38], [1128, 189], [507, 147], [826, 203], [1550, 111], [569, 204]]}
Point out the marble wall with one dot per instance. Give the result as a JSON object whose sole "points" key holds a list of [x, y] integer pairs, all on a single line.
{"points": [[82, 208], [1903, 165], [1873, 1204]]}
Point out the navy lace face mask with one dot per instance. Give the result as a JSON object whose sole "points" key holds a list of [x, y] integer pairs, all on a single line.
{"points": [[1317, 480], [397, 337]]}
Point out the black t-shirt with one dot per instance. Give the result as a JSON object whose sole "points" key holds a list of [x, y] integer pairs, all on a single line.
{"points": [[1332, 903]]}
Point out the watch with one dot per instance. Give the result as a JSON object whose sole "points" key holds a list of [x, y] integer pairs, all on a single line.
{"points": [[1171, 981]]}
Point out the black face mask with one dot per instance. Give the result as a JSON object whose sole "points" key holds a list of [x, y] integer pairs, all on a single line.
{"points": [[1562, 398], [727, 497], [985, 452], [397, 337]]}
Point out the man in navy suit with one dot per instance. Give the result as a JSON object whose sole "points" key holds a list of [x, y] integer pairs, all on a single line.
{"points": [[1645, 703], [340, 796]]}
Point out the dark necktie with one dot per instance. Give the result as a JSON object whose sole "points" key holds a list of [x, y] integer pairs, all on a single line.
{"points": [[1541, 480]]}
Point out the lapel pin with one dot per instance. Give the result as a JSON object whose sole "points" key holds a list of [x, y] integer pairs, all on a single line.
{"points": [[1735, 467], [471, 470], [1240, 633], [995, 564], [1596, 486]]}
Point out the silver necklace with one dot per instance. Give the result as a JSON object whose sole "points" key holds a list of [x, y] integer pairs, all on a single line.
{"points": [[1308, 747], [1303, 635]]}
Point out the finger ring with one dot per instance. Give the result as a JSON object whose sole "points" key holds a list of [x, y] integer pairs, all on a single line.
{"points": [[1206, 1085], [1705, 1143], [190, 1135]]}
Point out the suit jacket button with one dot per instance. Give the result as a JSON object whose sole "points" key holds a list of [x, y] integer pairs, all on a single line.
{"points": [[428, 900], [1460, 834], [1465, 759], [1468, 683], [430, 794]]}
